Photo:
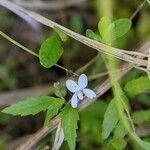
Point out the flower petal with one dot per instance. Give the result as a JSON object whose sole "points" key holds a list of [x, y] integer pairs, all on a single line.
{"points": [[82, 81], [71, 85], [89, 93], [80, 95], [74, 100]]}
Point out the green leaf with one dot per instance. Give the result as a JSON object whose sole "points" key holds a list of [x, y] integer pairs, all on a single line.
{"points": [[31, 105], [118, 143], [69, 118], [50, 51], [110, 120], [61, 34], [137, 86], [143, 144], [59, 90], [53, 110], [103, 25], [92, 116], [117, 29], [120, 131], [76, 23], [90, 34], [141, 116]]}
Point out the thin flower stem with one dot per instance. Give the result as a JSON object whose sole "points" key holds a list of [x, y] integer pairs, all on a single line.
{"points": [[93, 77], [33, 53], [18, 44], [83, 68], [138, 9]]}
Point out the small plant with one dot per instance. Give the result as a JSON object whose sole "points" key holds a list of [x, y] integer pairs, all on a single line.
{"points": [[117, 119]]}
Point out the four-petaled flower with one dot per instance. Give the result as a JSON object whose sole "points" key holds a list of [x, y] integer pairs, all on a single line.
{"points": [[79, 89]]}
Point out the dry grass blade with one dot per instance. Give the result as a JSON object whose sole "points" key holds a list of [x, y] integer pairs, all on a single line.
{"points": [[148, 1], [118, 53], [48, 5], [59, 138], [148, 65], [138, 9], [104, 87]]}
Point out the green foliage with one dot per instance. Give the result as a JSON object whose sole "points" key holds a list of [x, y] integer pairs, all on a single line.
{"points": [[50, 51], [144, 99], [76, 23], [69, 118], [91, 120], [4, 118], [118, 142], [137, 86], [61, 34], [90, 34], [120, 131], [142, 143], [141, 116], [4, 140], [110, 120], [52, 110], [31, 105], [112, 31], [143, 26], [117, 29], [103, 25], [59, 90]]}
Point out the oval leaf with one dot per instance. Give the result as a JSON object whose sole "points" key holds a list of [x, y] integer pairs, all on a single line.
{"points": [[103, 25], [50, 51], [61, 34], [117, 29], [90, 34]]}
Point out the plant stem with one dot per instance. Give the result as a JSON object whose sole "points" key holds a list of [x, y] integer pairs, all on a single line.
{"points": [[31, 52]]}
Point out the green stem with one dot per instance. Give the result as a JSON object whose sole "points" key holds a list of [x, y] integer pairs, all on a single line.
{"points": [[31, 52], [18, 44]]}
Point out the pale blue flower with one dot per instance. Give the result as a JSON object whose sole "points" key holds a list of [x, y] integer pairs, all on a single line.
{"points": [[79, 89]]}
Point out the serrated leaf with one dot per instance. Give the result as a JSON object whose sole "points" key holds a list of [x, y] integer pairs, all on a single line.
{"points": [[141, 116], [61, 34], [117, 29], [52, 110], [50, 51], [137, 86], [69, 118], [103, 25], [110, 120], [90, 34], [31, 105]]}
